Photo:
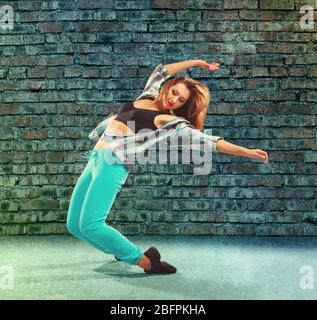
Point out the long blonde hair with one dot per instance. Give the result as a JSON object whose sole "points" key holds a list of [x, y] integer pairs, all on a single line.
{"points": [[195, 108]]}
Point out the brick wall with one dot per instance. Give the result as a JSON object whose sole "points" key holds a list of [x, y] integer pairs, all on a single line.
{"points": [[67, 64]]}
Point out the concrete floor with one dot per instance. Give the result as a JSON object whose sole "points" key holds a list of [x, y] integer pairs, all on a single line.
{"points": [[209, 267]]}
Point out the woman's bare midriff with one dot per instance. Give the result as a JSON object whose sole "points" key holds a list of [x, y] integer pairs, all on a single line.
{"points": [[118, 128]]}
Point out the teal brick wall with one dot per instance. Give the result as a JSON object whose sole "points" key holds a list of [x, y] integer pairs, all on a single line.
{"points": [[67, 64]]}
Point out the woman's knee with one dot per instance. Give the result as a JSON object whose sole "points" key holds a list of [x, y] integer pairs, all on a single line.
{"points": [[72, 227], [87, 228]]}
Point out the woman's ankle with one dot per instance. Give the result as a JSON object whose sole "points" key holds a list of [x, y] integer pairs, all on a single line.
{"points": [[145, 263]]}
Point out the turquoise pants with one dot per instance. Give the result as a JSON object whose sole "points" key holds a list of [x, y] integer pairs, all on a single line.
{"points": [[90, 204]]}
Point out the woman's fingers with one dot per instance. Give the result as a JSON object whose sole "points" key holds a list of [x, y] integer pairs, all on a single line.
{"points": [[214, 66], [209, 66], [262, 155]]}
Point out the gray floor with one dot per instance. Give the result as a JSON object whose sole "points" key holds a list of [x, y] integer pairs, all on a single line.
{"points": [[209, 267]]}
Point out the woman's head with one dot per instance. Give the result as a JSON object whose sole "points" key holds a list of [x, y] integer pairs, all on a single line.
{"points": [[187, 98]]}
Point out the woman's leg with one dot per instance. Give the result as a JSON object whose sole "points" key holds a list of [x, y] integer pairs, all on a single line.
{"points": [[107, 180], [76, 203], [82, 227], [77, 199]]}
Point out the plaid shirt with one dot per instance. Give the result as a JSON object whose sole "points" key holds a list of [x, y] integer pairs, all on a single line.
{"points": [[127, 147]]}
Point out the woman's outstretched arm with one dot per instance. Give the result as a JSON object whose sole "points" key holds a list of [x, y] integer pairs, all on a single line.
{"points": [[184, 65], [224, 146]]}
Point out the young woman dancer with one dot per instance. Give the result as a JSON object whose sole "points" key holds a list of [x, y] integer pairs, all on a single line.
{"points": [[182, 101]]}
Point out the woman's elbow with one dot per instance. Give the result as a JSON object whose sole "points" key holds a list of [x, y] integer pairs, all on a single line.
{"points": [[218, 145]]}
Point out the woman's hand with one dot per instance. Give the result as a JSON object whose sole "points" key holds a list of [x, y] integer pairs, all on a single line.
{"points": [[208, 66], [260, 154]]}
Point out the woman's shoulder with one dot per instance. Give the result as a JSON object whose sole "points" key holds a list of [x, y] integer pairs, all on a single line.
{"points": [[145, 105], [163, 120], [145, 97]]}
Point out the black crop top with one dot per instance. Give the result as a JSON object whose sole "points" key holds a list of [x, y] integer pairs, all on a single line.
{"points": [[143, 118]]}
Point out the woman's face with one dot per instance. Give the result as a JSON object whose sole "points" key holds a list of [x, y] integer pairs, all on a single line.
{"points": [[176, 96]]}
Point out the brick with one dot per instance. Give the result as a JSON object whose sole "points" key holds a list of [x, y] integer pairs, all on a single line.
{"points": [[30, 5], [280, 230], [190, 205], [236, 4], [220, 15], [283, 217], [95, 4], [9, 206], [241, 230], [131, 4], [121, 203], [311, 156], [55, 156], [167, 4], [199, 229], [259, 72], [157, 228], [12, 218], [14, 229], [48, 27], [46, 228], [278, 71], [277, 5], [7, 109], [35, 134], [3, 73], [127, 216], [207, 216], [35, 157], [249, 15], [245, 217], [152, 205]]}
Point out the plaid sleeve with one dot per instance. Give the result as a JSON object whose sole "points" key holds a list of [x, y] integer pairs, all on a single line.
{"points": [[196, 137], [95, 134], [158, 76]]}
